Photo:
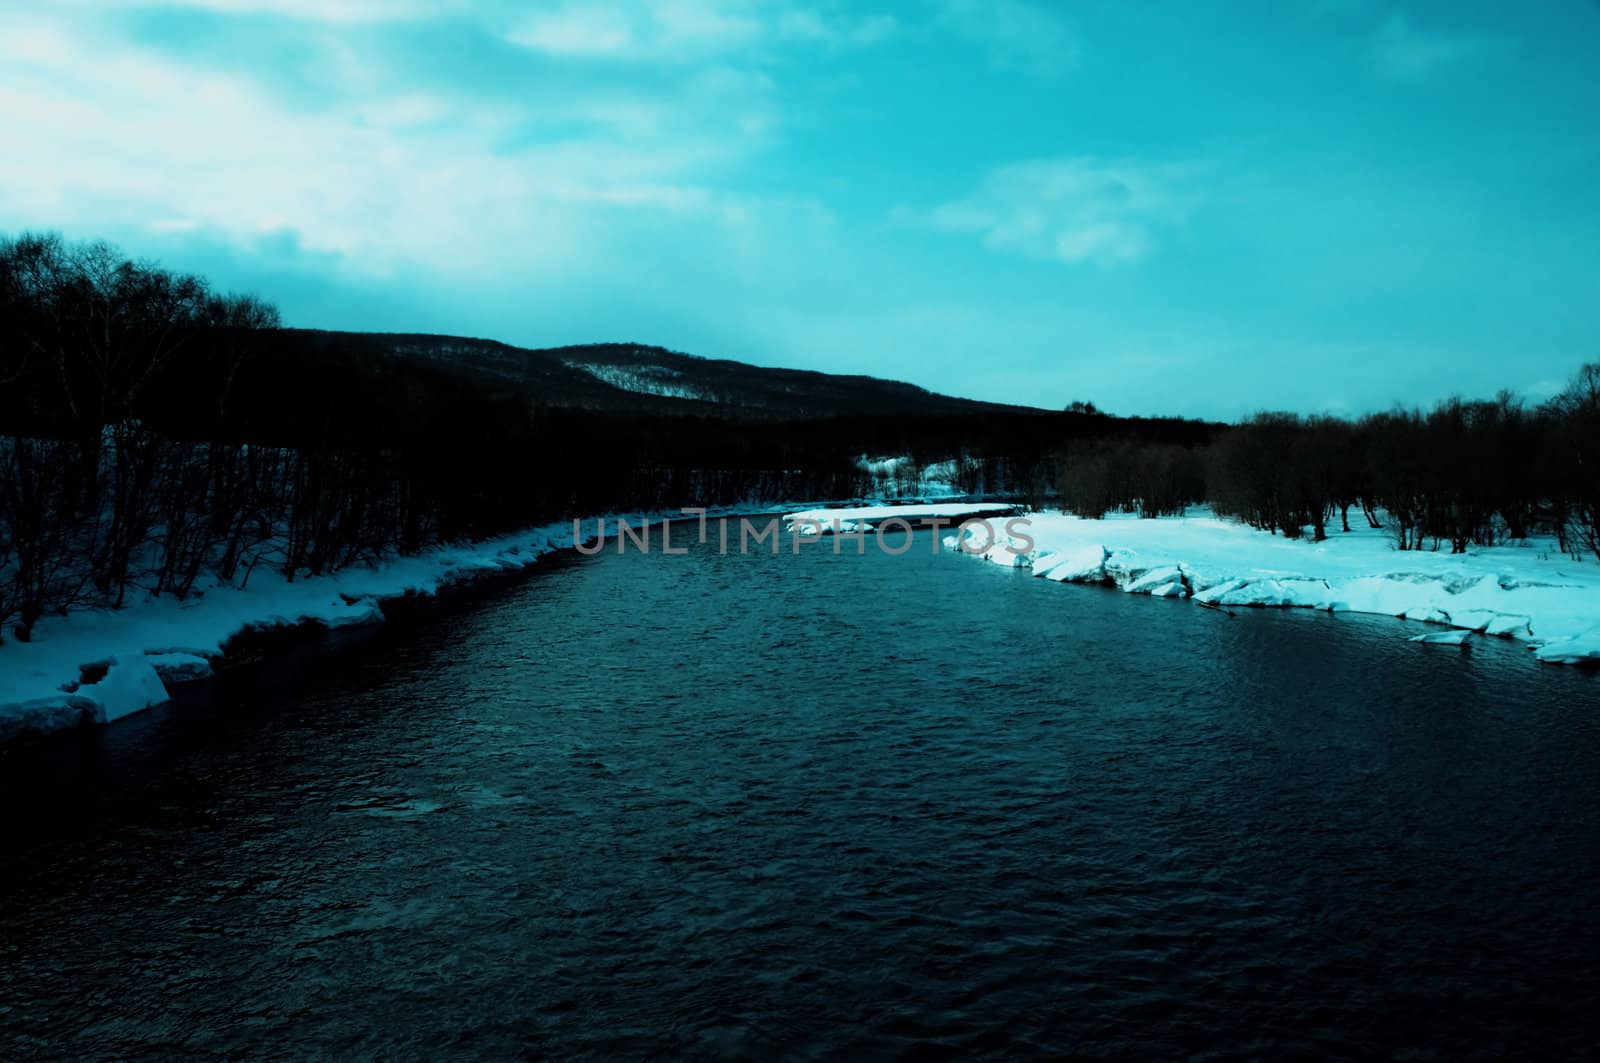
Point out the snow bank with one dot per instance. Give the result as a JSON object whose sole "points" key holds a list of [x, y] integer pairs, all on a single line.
{"points": [[1530, 591], [97, 666]]}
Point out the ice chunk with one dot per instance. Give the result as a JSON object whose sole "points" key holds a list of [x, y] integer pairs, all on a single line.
{"points": [[1085, 564], [1156, 580], [1509, 624], [58, 712], [1472, 619], [179, 667], [1427, 614], [1006, 550], [1576, 649], [1443, 638], [355, 613], [130, 685]]}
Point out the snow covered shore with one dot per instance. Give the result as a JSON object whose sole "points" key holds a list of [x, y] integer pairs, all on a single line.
{"points": [[94, 666], [1530, 591]]}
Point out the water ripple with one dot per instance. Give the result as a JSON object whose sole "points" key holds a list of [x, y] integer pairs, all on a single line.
{"points": [[819, 807]]}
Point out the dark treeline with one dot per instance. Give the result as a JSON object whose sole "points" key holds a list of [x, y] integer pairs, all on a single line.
{"points": [[1463, 474], [155, 435]]}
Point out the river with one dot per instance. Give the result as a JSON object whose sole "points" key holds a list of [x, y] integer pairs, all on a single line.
{"points": [[829, 806]]}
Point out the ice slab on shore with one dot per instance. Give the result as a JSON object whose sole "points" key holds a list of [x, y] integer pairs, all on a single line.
{"points": [[1082, 564], [1582, 648], [130, 685], [179, 667]]}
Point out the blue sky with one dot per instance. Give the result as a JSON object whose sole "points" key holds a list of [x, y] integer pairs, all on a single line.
{"points": [[1198, 208]]}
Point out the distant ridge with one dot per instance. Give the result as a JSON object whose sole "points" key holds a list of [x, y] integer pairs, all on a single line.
{"points": [[636, 376]]}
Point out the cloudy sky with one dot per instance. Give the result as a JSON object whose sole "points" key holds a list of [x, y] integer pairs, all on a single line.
{"points": [[1197, 208]]}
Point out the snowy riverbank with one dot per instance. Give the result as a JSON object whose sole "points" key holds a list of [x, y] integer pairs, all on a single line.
{"points": [[97, 666], [134, 654], [1526, 590]]}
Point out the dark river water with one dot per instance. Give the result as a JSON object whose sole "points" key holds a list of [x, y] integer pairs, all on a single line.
{"points": [[819, 806]]}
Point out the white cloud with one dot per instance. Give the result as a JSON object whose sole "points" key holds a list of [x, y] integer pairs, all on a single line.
{"points": [[1076, 210], [124, 139], [381, 171], [1403, 52]]}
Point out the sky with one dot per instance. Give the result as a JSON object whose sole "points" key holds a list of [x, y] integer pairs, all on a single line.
{"points": [[1202, 208]]}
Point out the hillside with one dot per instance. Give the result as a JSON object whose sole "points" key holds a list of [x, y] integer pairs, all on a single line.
{"points": [[634, 376]]}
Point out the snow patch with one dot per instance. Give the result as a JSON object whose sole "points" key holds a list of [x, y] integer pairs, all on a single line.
{"points": [[902, 477], [642, 379]]}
